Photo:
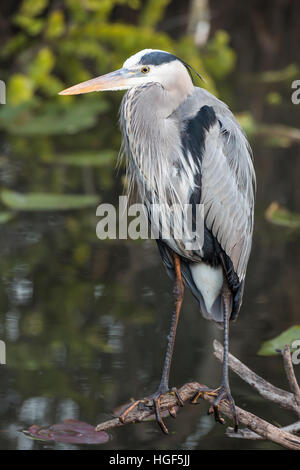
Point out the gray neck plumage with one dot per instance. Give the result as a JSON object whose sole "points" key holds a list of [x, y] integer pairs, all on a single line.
{"points": [[152, 143]]}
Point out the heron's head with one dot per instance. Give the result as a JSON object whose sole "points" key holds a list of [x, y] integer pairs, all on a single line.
{"points": [[147, 66]]}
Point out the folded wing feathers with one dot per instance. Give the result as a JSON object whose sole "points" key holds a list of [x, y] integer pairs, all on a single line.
{"points": [[227, 195]]}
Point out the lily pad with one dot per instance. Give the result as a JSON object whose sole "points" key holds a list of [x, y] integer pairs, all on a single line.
{"points": [[47, 201], [70, 431], [271, 347]]}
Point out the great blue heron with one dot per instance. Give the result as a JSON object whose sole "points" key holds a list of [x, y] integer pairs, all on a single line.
{"points": [[184, 145]]}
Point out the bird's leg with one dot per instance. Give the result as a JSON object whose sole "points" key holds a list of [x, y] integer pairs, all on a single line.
{"points": [[163, 388], [178, 293], [223, 392]]}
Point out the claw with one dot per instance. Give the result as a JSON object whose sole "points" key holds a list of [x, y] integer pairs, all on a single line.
{"points": [[224, 394], [216, 411], [175, 392], [172, 412], [158, 416], [156, 397], [221, 393], [201, 391], [128, 409]]}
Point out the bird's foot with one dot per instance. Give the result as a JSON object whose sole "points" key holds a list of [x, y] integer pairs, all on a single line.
{"points": [[221, 393], [155, 398]]}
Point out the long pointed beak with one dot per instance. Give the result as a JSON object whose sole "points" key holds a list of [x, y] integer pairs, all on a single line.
{"points": [[117, 80]]}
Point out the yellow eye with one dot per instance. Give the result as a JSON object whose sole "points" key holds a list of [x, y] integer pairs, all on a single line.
{"points": [[145, 69]]}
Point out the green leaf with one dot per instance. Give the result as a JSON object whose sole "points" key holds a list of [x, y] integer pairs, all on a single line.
{"points": [[246, 120], [42, 65], [83, 159], [280, 216], [5, 216], [33, 8], [277, 76], [47, 201], [268, 348], [219, 58], [55, 26], [55, 119], [20, 88], [153, 12]]}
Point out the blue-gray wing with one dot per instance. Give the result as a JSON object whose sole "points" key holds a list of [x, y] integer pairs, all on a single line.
{"points": [[226, 178]]}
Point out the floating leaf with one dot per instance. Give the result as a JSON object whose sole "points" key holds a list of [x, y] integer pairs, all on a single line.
{"points": [[87, 158], [271, 347], [281, 216], [46, 201], [70, 431]]}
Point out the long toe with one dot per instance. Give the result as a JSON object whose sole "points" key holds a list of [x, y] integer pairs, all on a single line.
{"points": [[224, 394], [175, 392], [128, 409], [157, 406], [155, 398], [200, 391]]}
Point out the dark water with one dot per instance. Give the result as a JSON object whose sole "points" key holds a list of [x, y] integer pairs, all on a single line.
{"points": [[85, 322]]}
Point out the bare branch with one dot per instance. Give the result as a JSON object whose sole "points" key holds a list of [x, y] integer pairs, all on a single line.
{"points": [[265, 389], [145, 411], [257, 427], [187, 391], [289, 370], [247, 434]]}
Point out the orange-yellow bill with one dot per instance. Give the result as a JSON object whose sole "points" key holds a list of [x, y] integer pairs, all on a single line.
{"points": [[117, 80]]}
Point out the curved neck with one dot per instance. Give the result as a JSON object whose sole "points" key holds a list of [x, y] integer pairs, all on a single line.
{"points": [[151, 137]]}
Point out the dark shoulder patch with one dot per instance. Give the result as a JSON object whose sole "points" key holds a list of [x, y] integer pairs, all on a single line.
{"points": [[157, 58], [193, 136], [205, 118]]}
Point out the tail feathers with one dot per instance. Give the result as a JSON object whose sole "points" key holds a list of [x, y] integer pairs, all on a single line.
{"points": [[206, 284]]}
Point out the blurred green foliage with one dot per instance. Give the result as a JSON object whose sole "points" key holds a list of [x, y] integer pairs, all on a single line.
{"points": [[56, 47], [46, 201], [277, 344], [60, 154], [281, 216], [219, 58], [57, 44]]}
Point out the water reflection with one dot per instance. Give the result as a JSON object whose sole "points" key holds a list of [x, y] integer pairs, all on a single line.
{"points": [[85, 321]]}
